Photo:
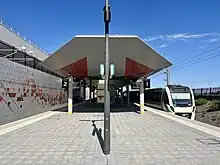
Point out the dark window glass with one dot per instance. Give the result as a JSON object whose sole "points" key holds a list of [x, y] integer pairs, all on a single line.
{"points": [[166, 101]]}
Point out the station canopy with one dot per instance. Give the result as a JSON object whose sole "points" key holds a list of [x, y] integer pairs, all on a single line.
{"points": [[82, 56]]}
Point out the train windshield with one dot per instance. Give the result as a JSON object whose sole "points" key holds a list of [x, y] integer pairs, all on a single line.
{"points": [[181, 99]]}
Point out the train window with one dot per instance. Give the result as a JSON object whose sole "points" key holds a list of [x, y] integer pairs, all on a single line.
{"points": [[156, 97], [159, 97]]}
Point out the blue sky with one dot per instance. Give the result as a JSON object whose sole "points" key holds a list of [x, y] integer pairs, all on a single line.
{"points": [[176, 29]]}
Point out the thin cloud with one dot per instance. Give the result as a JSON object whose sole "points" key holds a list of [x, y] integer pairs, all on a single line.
{"points": [[201, 47], [181, 36], [214, 40], [163, 46]]}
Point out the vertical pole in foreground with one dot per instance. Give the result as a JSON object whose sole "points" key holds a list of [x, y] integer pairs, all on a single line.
{"points": [[106, 92], [142, 96], [70, 95]]}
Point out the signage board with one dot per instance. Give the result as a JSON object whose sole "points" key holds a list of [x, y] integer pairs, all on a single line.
{"points": [[136, 85], [65, 83]]}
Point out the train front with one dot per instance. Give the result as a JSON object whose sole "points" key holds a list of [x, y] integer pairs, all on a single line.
{"points": [[181, 100]]}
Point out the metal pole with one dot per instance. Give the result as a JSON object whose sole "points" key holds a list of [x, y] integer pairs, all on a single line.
{"points": [[168, 76], [106, 92], [84, 91], [142, 95], [128, 93], [90, 90], [70, 96], [168, 70]]}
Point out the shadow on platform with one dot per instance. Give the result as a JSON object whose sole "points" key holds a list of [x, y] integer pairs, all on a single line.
{"points": [[99, 108], [63, 109], [98, 133]]}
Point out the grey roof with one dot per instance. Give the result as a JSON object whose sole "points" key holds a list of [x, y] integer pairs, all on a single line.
{"points": [[93, 47]]}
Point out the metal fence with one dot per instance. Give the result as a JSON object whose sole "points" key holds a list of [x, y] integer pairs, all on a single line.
{"points": [[212, 91], [16, 32]]}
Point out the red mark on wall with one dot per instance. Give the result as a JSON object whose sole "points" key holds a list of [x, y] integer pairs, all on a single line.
{"points": [[1, 99], [12, 95]]}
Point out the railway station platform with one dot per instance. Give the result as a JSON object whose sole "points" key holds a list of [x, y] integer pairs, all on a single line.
{"points": [[58, 138]]}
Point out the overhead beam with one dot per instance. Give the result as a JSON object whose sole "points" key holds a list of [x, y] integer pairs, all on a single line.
{"points": [[7, 50], [21, 59]]}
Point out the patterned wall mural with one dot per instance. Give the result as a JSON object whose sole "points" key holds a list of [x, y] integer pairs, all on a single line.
{"points": [[25, 91]]}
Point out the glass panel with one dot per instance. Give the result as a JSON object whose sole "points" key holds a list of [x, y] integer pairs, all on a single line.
{"points": [[181, 99]]}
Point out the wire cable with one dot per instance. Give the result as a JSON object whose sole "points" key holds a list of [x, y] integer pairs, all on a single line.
{"points": [[186, 63], [196, 55], [194, 62]]}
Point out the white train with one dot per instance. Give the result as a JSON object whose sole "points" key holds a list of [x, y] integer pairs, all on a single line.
{"points": [[175, 99]]}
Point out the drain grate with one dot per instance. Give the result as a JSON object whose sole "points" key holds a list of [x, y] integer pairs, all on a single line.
{"points": [[209, 141]]}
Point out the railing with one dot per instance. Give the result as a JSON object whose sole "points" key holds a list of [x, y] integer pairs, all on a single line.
{"points": [[25, 38], [212, 91]]}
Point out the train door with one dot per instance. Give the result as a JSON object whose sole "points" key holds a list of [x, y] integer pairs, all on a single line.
{"points": [[162, 99], [166, 102]]}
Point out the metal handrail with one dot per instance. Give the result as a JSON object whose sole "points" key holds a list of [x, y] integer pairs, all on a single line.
{"points": [[23, 37]]}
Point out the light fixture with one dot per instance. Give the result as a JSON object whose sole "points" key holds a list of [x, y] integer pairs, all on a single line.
{"points": [[22, 48], [31, 52]]}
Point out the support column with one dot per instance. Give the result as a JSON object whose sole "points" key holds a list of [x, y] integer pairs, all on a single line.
{"points": [[84, 91], [90, 90], [117, 95], [70, 96], [121, 91], [128, 93], [142, 96], [93, 94]]}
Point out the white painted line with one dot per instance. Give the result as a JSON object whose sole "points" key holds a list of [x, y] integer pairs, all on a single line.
{"points": [[21, 123], [209, 129]]}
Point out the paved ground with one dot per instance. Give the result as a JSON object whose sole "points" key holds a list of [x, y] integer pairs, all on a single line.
{"points": [[136, 139]]}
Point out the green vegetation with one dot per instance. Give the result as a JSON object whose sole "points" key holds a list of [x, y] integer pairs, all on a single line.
{"points": [[214, 105], [201, 101]]}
